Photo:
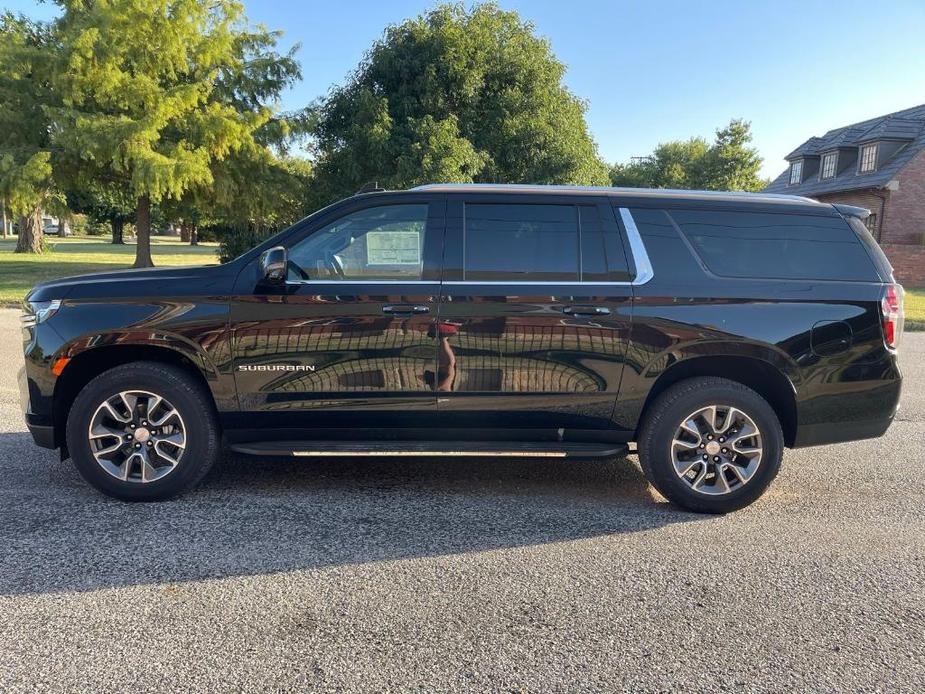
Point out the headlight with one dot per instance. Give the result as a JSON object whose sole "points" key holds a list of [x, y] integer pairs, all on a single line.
{"points": [[35, 312]]}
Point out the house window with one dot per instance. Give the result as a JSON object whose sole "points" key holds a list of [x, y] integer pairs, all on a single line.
{"points": [[868, 158], [796, 172], [828, 165], [871, 224]]}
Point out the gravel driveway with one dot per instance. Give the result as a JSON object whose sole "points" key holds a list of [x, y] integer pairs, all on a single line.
{"points": [[464, 575]]}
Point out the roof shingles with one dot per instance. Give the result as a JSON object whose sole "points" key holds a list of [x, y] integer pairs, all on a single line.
{"points": [[908, 125]]}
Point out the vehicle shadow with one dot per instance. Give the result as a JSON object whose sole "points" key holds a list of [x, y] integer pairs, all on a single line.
{"points": [[258, 516]]}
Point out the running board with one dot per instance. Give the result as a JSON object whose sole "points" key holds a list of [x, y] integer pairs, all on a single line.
{"points": [[421, 449]]}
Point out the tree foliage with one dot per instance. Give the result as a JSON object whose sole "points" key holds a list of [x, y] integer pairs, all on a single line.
{"points": [[726, 164], [26, 182], [281, 199], [103, 202], [156, 93], [454, 95]]}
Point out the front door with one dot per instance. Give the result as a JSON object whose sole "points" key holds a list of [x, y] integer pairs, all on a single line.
{"points": [[350, 341], [535, 312]]}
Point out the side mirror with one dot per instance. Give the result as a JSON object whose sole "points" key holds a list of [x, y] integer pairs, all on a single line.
{"points": [[274, 264]]}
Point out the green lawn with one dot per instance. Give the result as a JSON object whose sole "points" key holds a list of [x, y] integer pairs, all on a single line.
{"points": [[915, 308], [19, 272]]}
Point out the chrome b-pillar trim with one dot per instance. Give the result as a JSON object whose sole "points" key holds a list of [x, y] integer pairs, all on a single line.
{"points": [[644, 271]]}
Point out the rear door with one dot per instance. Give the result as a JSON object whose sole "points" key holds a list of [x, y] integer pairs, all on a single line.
{"points": [[349, 341], [535, 312]]}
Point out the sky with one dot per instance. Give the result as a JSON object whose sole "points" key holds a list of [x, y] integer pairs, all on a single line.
{"points": [[654, 70]]}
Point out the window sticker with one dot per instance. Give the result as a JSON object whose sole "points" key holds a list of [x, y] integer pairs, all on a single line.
{"points": [[393, 248]]}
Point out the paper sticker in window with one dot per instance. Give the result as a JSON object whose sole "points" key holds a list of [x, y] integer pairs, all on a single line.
{"points": [[393, 248]]}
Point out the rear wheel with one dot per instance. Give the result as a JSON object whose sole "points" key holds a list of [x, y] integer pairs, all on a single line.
{"points": [[711, 445], [143, 432]]}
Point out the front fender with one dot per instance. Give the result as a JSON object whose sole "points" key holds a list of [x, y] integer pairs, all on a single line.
{"points": [[196, 330]]}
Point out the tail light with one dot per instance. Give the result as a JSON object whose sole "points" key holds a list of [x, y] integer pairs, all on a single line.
{"points": [[891, 306]]}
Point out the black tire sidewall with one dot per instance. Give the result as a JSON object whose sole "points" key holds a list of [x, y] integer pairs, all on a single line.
{"points": [[175, 386], [666, 415]]}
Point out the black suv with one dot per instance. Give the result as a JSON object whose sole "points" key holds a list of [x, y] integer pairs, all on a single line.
{"points": [[712, 329]]}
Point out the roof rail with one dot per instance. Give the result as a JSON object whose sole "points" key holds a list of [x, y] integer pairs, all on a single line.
{"points": [[648, 192]]}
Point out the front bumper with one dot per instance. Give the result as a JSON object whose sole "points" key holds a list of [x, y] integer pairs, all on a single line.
{"points": [[37, 383], [42, 434]]}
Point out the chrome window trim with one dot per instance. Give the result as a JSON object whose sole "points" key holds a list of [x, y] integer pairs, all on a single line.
{"points": [[644, 271], [517, 283], [342, 282]]}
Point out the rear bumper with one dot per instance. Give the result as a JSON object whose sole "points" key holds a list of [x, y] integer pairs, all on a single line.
{"points": [[838, 432], [860, 410]]}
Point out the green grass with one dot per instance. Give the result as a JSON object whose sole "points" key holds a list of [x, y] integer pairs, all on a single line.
{"points": [[19, 272], [915, 309]]}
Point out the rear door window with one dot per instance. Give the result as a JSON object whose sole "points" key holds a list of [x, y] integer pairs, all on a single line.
{"points": [[775, 246], [540, 243], [527, 243]]}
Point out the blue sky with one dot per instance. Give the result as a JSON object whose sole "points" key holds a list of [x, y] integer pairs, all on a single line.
{"points": [[658, 70]]}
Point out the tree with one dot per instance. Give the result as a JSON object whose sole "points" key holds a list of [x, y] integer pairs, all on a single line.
{"points": [[147, 91], [454, 95], [727, 164], [281, 198], [110, 204], [26, 182], [258, 189], [730, 164]]}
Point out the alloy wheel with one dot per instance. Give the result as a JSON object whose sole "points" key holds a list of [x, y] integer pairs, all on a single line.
{"points": [[716, 450], [137, 436]]}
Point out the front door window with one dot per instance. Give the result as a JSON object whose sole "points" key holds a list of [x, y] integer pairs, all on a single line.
{"points": [[377, 243]]}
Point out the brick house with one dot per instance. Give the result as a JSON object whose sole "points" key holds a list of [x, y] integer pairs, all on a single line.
{"points": [[878, 164]]}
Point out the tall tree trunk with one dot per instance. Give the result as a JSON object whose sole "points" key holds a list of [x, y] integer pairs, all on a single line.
{"points": [[184, 232], [5, 231], [193, 235], [117, 227], [62, 227], [143, 233], [30, 232]]}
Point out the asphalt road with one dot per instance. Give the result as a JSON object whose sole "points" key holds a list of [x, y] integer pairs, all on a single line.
{"points": [[465, 575]]}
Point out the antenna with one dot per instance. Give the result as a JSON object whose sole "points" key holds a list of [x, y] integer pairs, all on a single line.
{"points": [[371, 187]]}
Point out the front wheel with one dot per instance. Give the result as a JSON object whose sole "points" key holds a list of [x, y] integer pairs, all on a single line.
{"points": [[711, 445], [143, 431]]}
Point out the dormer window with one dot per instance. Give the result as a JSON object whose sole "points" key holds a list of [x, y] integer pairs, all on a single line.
{"points": [[796, 172], [868, 159], [828, 165]]}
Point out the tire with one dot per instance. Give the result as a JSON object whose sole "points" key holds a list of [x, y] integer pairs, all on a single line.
{"points": [[662, 458], [189, 436]]}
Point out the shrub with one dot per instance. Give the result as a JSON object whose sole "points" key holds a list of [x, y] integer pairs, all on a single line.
{"points": [[235, 241]]}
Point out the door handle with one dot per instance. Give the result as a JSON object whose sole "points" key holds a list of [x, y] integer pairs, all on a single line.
{"points": [[586, 310], [405, 309]]}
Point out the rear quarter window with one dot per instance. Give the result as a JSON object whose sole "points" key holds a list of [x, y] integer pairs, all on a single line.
{"points": [[873, 248], [776, 246]]}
